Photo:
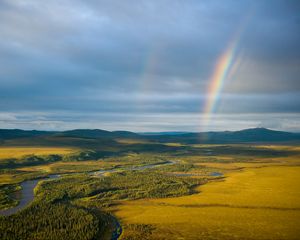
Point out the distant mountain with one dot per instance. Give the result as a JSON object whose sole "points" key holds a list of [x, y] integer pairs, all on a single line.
{"points": [[161, 133], [17, 133], [96, 133], [6, 134], [85, 133], [126, 134], [263, 134], [253, 135]]}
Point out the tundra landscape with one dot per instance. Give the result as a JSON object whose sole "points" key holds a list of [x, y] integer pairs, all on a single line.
{"points": [[149, 120], [121, 185]]}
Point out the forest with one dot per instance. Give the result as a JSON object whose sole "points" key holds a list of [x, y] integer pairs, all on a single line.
{"points": [[82, 193]]}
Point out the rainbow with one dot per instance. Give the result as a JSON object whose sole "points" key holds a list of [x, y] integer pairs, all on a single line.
{"points": [[225, 67], [220, 74]]}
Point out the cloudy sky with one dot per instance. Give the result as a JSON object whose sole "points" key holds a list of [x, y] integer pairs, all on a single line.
{"points": [[148, 65]]}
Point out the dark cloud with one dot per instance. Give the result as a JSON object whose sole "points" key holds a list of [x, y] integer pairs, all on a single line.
{"points": [[145, 57]]}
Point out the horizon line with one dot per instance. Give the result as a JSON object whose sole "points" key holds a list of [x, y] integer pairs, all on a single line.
{"points": [[149, 132]]}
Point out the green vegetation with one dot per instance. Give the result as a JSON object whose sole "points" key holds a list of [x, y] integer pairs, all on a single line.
{"points": [[244, 152], [50, 221], [33, 160], [180, 167], [6, 195], [224, 209], [16, 176], [137, 231], [69, 206], [80, 205], [84, 167], [29, 160], [117, 186]]}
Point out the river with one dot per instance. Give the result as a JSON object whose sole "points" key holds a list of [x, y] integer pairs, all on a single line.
{"points": [[27, 191]]}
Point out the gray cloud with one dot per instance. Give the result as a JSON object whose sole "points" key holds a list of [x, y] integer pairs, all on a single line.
{"points": [[147, 122], [145, 57]]}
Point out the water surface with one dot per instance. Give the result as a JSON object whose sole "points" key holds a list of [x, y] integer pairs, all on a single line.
{"points": [[26, 195], [27, 191]]}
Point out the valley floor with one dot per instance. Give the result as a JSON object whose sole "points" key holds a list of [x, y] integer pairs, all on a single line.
{"points": [[255, 203], [186, 192]]}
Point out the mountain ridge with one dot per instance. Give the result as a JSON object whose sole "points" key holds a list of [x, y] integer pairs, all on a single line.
{"points": [[240, 136]]}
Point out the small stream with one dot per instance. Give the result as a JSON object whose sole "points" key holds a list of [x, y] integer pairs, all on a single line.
{"points": [[26, 194], [212, 174], [27, 191], [137, 168]]}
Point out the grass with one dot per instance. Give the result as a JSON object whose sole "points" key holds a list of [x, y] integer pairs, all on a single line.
{"points": [[66, 206], [70, 167], [260, 203], [257, 199], [6, 198], [7, 178], [18, 152]]}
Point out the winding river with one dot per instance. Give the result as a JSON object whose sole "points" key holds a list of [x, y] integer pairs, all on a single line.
{"points": [[26, 195], [27, 191]]}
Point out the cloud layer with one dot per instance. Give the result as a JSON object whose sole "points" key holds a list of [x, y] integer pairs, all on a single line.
{"points": [[145, 65]]}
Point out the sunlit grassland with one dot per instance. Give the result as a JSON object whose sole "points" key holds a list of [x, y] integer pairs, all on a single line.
{"points": [[262, 146], [257, 198], [70, 164], [280, 147], [287, 161], [13, 177], [256, 203], [233, 162], [7, 178], [243, 153], [131, 159], [17, 152], [175, 144], [19, 175], [70, 167]]}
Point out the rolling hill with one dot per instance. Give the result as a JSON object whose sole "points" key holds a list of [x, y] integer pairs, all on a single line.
{"points": [[254, 135]]}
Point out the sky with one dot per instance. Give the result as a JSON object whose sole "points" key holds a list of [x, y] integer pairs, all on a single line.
{"points": [[160, 65]]}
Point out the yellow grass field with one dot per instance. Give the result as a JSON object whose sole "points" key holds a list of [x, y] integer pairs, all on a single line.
{"points": [[7, 178], [256, 203], [17, 152], [263, 162], [69, 166]]}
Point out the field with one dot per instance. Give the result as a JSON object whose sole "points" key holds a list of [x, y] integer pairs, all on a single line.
{"points": [[261, 203], [17, 152], [9, 155], [210, 191]]}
